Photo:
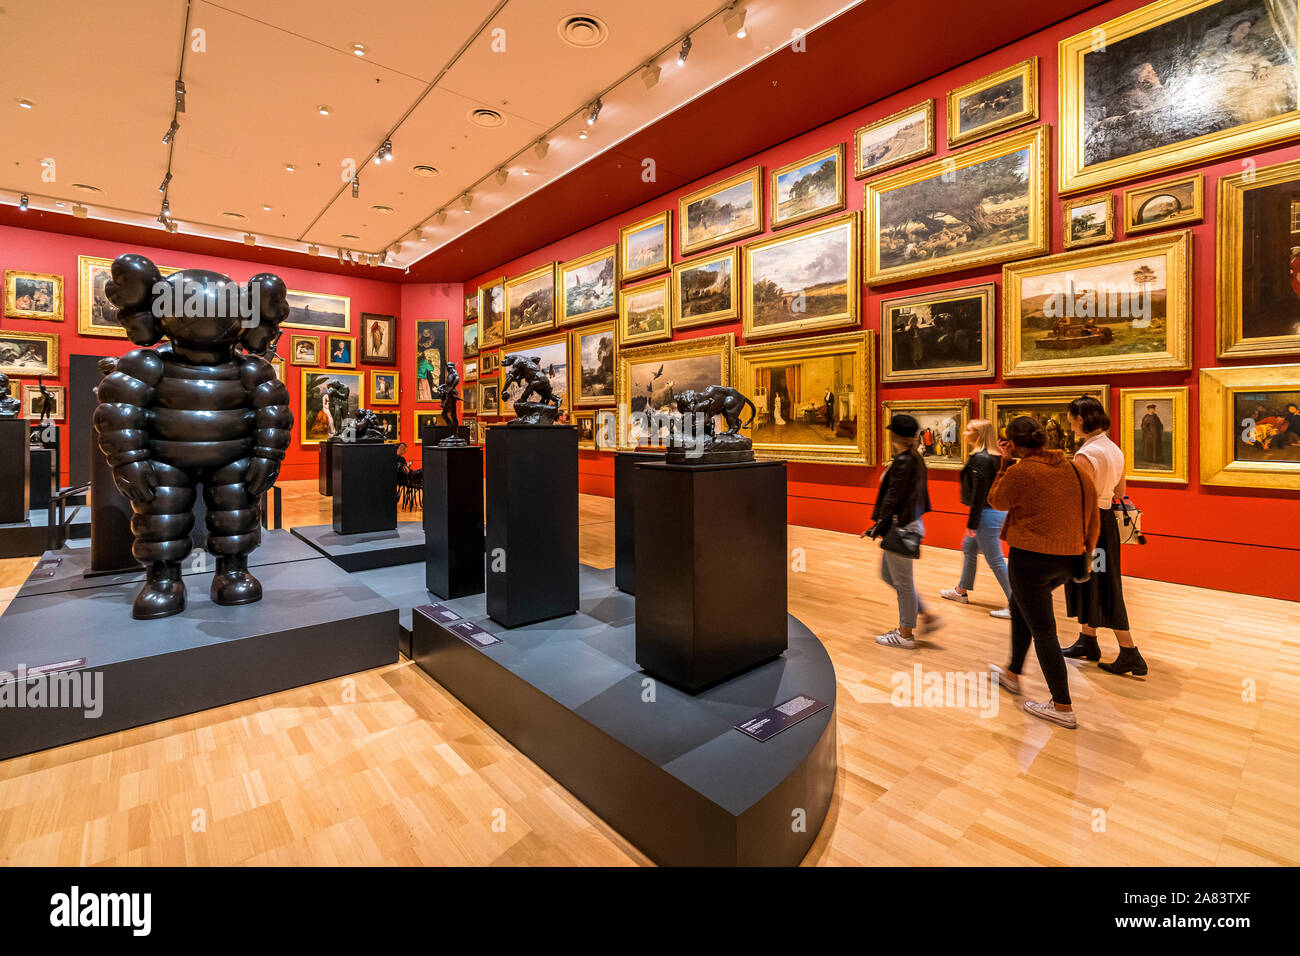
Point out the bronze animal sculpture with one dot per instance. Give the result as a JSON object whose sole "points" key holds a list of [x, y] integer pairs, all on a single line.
{"points": [[717, 400], [527, 373]]}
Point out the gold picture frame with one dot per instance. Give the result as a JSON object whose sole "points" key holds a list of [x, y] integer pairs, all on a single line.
{"points": [[1077, 174], [1189, 189], [489, 388], [88, 269], [306, 422], [663, 354], [778, 220], [1233, 296], [342, 301], [491, 322], [688, 245], [294, 356], [885, 150], [1226, 433], [535, 348], [1026, 71], [562, 316], [543, 278], [1034, 143], [682, 297], [576, 375], [46, 363], [1055, 399], [376, 375], [857, 393], [839, 234], [350, 360], [1071, 237], [648, 264], [14, 295], [421, 418], [958, 303], [957, 437], [585, 423], [652, 291], [1075, 332], [33, 399], [1137, 441]]}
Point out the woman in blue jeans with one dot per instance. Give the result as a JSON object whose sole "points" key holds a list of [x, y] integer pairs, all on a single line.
{"points": [[984, 525]]}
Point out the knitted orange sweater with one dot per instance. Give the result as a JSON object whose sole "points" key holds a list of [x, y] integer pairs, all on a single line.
{"points": [[1047, 511]]}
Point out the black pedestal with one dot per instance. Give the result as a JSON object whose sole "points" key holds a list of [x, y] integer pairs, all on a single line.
{"points": [[42, 477], [453, 520], [110, 517], [625, 463], [365, 487], [325, 462], [711, 569], [15, 471], [532, 523]]}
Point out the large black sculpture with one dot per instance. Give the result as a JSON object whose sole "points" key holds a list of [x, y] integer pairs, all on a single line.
{"points": [[450, 399], [527, 373], [204, 409], [693, 436], [9, 406]]}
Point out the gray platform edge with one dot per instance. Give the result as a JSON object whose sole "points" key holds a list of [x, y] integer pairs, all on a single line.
{"points": [[368, 560]]}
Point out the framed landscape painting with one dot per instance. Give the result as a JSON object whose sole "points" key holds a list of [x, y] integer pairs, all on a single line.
{"points": [[33, 295], [1049, 405], [588, 286], [983, 204], [489, 398], [894, 140], [1125, 307], [469, 340], [1250, 426], [650, 377], [492, 313], [941, 440], [1088, 221], [644, 247], [1174, 202], [530, 302], [470, 315], [802, 280], [378, 339], [29, 353], [994, 103], [705, 289], [1153, 430], [95, 314], [1125, 102], [594, 350], [811, 187], [721, 212], [938, 335], [1257, 273], [645, 311], [328, 399], [814, 398], [314, 310], [551, 355]]}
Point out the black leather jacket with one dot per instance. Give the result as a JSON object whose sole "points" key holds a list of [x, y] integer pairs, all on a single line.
{"points": [[903, 487], [976, 480]]}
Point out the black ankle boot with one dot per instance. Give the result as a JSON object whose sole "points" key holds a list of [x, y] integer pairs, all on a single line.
{"points": [[1128, 662], [232, 584], [1086, 647], [163, 593]]}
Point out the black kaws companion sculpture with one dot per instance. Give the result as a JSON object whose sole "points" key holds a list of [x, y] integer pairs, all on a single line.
{"points": [[698, 441], [203, 409], [527, 373]]}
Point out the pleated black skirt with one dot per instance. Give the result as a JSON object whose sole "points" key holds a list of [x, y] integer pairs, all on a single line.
{"points": [[1099, 601]]}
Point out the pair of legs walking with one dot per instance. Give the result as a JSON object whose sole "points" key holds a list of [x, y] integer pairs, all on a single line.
{"points": [[1034, 577]]}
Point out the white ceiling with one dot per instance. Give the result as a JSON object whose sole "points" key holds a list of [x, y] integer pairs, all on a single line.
{"points": [[100, 77]]}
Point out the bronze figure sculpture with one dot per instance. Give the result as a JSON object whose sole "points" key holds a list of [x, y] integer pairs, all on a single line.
{"points": [[10, 407], [450, 398], [527, 373]]}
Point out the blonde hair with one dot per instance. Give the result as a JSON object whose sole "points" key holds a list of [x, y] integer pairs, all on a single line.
{"points": [[986, 436]]}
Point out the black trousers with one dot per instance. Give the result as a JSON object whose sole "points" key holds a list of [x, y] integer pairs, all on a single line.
{"points": [[1034, 577]]}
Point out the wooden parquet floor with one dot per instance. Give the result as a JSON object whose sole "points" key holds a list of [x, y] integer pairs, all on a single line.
{"points": [[1195, 765]]}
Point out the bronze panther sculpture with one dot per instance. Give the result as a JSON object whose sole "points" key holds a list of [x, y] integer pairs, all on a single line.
{"points": [[717, 400]]}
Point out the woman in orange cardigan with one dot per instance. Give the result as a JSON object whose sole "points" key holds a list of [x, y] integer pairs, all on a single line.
{"points": [[1052, 519]]}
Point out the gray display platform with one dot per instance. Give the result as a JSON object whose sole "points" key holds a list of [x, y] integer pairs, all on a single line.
{"points": [[28, 538], [404, 586], [373, 549], [672, 774], [313, 623]]}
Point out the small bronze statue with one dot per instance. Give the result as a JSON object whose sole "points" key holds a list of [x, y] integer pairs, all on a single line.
{"points": [[450, 398], [700, 443], [47, 400], [527, 373], [365, 427], [10, 407]]}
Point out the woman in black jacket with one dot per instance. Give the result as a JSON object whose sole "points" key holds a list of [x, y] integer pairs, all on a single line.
{"points": [[903, 498], [984, 524]]}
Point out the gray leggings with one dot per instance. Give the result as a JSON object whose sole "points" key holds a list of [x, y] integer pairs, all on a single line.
{"points": [[896, 571]]}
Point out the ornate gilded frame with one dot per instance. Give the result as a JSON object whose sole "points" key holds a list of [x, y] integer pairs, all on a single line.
{"points": [[1219, 427], [847, 222], [1028, 113], [1128, 423]]}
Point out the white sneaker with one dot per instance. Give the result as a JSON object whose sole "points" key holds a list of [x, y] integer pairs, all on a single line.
{"points": [[895, 638], [952, 594], [1002, 614], [1047, 710], [1006, 680]]}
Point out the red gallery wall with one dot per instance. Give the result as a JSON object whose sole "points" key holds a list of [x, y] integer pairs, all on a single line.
{"points": [[31, 250], [1233, 539]]}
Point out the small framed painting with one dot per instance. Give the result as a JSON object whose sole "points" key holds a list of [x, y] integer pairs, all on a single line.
{"points": [[721, 212], [29, 353], [941, 440], [938, 335], [1250, 426], [811, 187], [994, 103], [1174, 202], [1153, 430], [588, 286], [643, 247], [585, 423], [492, 313], [378, 339], [593, 350], [705, 289], [530, 302], [469, 340], [391, 423], [605, 432], [471, 370], [470, 322], [1088, 220], [33, 295], [340, 351], [304, 350], [489, 398], [469, 399], [644, 312], [277, 365], [489, 363], [384, 388], [894, 140], [423, 421], [34, 402]]}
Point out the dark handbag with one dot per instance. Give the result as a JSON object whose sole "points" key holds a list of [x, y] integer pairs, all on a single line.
{"points": [[1081, 565], [901, 541]]}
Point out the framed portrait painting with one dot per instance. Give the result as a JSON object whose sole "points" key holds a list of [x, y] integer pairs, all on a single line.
{"points": [[1173, 202], [894, 140], [941, 440], [34, 402], [1153, 430], [938, 335], [430, 358], [588, 286], [304, 350], [1049, 405], [530, 302], [645, 311], [706, 289], [1088, 221], [489, 363], [329, 398], [991, 104], [492, 313], [802, 280], [1125, 307], [645, 247], [340, 351], [814, 398], [593, 349], [1125, 102], [391, 423], [378, 339], [29, 353], [33, 295], [1250, 426], [314, 310], [384, 388], [721, 212], [980, 205], [97, 316]]}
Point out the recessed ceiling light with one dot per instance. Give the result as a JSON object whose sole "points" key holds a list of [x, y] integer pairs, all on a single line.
{"points": [[233, 215], [359, 49], [583, 31], [488, 119], [86, 188], [266, 207], [425, 171], [383, 210], [25, 104], [323, 110], [289, 167], [47, 162]]}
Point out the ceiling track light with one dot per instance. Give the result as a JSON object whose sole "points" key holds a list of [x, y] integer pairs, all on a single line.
{"points": [[171, 133], [685, 51], [386, 151], [541, 148], [180, 96], [78, 210], [734, 21], [593, 112], [650, 75], [162, 188], [441, 216], [466, 201], [170, 225], [359, 49], [313, 250], [501, 176], [250, 239], [23, 202]]}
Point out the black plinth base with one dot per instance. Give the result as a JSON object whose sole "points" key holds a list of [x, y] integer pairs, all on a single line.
{"points": [[453, 520], [15, 471], [25, 539], [710, 569], [325, 464], [625, 463], [314, 623], [360, 552], [365, 487], [42, 477], [672, 776], [532, 523]]}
